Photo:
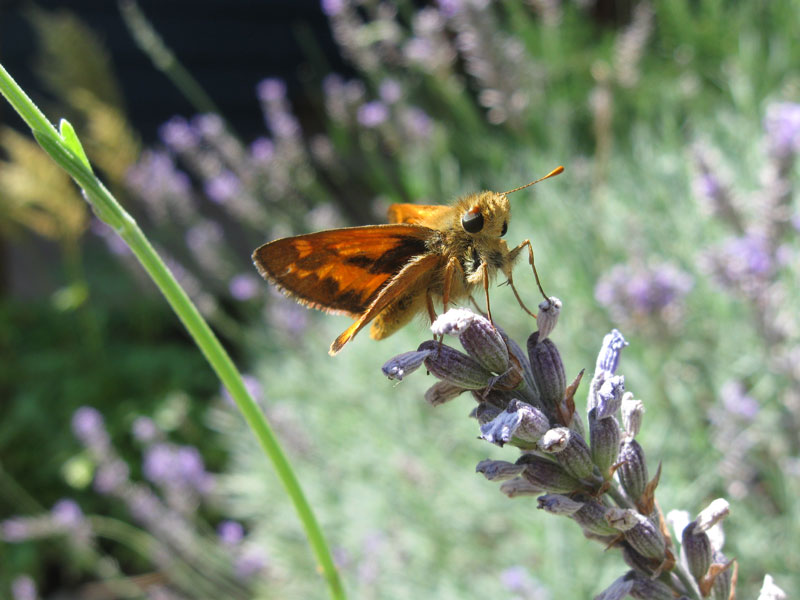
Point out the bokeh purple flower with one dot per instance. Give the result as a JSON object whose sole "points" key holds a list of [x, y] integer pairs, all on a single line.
{"points": [[782, 125], [244, 287], [144, 429], [230, 533], [250, 562], [372, 114], [178, 135], [642, 294], [743, 263], [23, 588], [173, 466], [332, 7], [67, 513], [224, 187], [89, 427]]}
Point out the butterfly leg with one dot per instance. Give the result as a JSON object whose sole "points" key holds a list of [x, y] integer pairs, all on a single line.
{"points": [[513, 256], [484, 269], [449, 273], [516, 294]]}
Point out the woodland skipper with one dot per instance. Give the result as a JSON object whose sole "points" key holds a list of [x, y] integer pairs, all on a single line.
{"points": [[389, 273]]}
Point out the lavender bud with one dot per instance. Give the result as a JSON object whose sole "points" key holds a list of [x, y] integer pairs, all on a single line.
{"points": [[404, 364], [486, 412], [639, 532], [770, 591], [632, 412], [604, 436], [499, 470], [608, 357], [697, 549], [645, 588], [723, 582], [636, 561], [557, 504], [518, 356], [632, 472], [441, 392], [452, 366], [479, 337], [519, 486], [548, 371], [609, 396], [571, 451], [592, 518], [548, 316], [618, 590], [547, 475], [521, 421]]}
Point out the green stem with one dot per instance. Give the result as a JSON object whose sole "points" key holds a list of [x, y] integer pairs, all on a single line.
{"points": [[107, 208]]}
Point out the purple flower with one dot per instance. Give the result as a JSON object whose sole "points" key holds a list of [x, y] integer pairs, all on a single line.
{"points": [[708, 185], [736, 400], [178, 135], [262, 150], [15, 529], [608, 357], [88, 427], [208, 125], [222, 188], [244, 286], [250, 562], [144, 429], [271, 89], [782, 125], [372, 113], [517, 580], [230, 533], [67, 513], [111, 476], [418, 123], [743, 263], [157, 465], [332, 7], [23, 588], [390, 91], [449, 8], [169, 465], [637, 292]]}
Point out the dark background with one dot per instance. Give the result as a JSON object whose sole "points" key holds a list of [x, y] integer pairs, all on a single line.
{"points": [[228, 46]]}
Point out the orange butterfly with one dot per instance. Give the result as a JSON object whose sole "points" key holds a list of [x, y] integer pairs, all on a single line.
{"points": [[389, 273]]}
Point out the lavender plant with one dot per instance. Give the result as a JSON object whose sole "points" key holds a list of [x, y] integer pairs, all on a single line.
{"points": [[172, 538], [596, 473]]}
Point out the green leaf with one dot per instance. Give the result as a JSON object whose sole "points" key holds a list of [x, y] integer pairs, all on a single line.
{"points": [[73, 143]]}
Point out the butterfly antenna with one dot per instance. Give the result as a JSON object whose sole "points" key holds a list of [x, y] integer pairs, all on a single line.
{"points": [[553, 173]]}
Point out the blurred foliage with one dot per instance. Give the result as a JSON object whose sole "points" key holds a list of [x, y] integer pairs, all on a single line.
{"points": [[444, 103]]}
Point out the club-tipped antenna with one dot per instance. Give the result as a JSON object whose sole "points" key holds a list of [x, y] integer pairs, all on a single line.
{"points": [[557, 171]]}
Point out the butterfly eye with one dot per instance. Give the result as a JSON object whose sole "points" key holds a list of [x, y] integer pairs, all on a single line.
{"points": [[504, 229], [472, 221]]}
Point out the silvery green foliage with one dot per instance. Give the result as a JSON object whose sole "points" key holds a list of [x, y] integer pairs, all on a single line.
{"points": [[601, 483]]}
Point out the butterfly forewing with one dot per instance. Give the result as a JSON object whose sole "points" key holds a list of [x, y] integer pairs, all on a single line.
{"points": [[341, 270], [415, 213]]}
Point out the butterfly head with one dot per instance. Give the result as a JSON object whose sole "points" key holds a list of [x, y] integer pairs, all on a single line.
{"points": [[485, 214]]}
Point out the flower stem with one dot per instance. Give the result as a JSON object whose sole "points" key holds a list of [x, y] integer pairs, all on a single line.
{"points": [[70, 157]]}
